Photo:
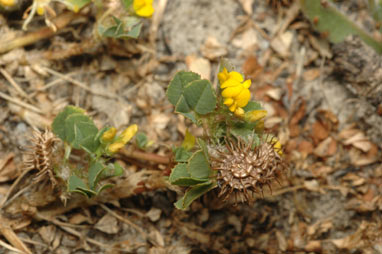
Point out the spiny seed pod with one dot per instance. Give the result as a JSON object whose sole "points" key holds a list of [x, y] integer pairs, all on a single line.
{"points": [[243, 170], [41, 155]]}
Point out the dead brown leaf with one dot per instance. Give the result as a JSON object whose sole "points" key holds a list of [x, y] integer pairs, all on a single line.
{"points": [[8, 169], [328, 119], [47, 233], [352, 241], [281, 43], [359, 158], [311, 74], [326, 148], [321, 45], [305, 148], [251, 67], [282, 242], [107, 224], [313, 246], [319, 132], [298, 113], [246, 40], [322, 171], [212, 49], [199, 65], [359, 140]]}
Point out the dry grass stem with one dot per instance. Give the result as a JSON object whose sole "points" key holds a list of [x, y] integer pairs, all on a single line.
{"points": [[59, 22], [20, 103]]}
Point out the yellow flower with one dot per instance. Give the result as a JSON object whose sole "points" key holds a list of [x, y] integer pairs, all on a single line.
{"points": [[224, 75], [239, 112], [7, 3], [277, 147], [243, 97], [143, 8], [113, 148], [276, 144], [108, 135], [128, 133], [235, 91], [255, 115], [125, 137]]}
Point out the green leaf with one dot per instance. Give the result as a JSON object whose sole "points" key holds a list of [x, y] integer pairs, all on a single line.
{"points": [[58, 125], [76, 184], [104, 187], [112, 31], [118, 169], [189, 141], [194, 193], [180, 176], [90, 144], [94, 174], [190, 115], [133, 32], [111, 170], [120, 29], [81, 131], [182, 106], [252, 105], [127, 3], [141, 140], [204, 148], [198, 166], [177, 85], [327, 19], [200, 96], [247, 135], [87, 192], [181, 154]]}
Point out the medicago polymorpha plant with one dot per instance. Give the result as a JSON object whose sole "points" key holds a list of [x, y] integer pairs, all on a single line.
{"points": [[234, 154], [76, 156]]}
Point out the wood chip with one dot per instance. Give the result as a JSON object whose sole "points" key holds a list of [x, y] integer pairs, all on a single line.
{"points": [[107, 224], [154, 214], [246, 40]]}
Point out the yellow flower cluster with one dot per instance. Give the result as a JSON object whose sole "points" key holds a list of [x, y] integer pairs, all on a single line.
{"points": [[143, 8], [126, 135], [235, 91]]}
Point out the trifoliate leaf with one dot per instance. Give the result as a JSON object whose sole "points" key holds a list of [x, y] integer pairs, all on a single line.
{"points": [[194, 193]]}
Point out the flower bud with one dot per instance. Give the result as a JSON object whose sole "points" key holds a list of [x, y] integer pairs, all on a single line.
{"points": [[113, 148], [128, 133], [255, 115], [109, 135]]}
